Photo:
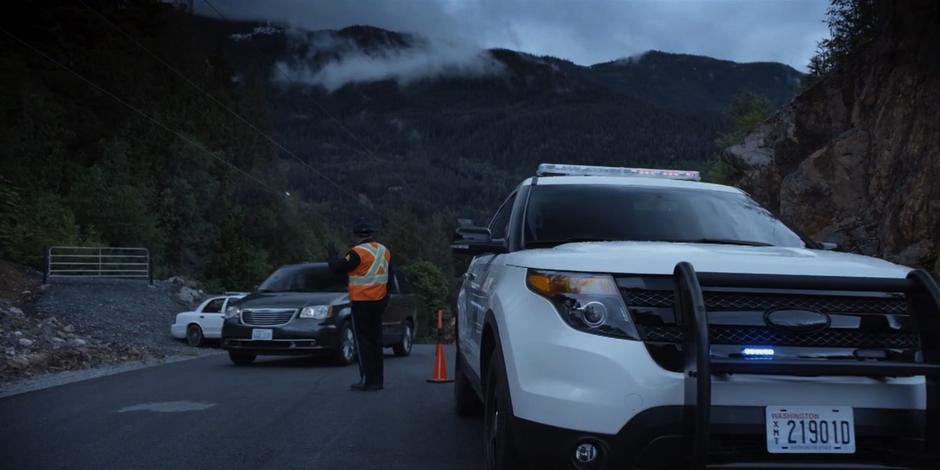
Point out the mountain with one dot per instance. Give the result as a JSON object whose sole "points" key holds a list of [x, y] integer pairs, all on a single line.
{"points": [[855, 158], [694, 83], [460, 125], [231, 147]]}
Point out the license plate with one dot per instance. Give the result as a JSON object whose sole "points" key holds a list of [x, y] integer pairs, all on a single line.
{"points": [[262, 334], [810, 430]]}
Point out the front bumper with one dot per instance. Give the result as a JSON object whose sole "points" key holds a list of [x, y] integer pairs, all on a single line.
{"points": [[300, 336], [178, 330], [657, 439]]}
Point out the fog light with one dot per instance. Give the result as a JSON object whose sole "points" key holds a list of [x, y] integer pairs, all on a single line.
{"points": [[586, 453]]}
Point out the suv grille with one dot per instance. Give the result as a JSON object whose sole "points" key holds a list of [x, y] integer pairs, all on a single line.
{"points": [[652, 310], [267, 316], [767, 301]]}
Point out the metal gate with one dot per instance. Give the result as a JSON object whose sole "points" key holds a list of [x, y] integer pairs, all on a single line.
{"points": [[80, 261]]}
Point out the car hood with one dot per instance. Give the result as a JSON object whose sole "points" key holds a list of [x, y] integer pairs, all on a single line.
{"points": [[291, 299], [662, 257]]}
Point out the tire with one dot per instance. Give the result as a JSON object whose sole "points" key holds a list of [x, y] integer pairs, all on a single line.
{"points": [[403, 347], [499, 451], [466, 401], [241, 359], [346, 354], [194, 336]]}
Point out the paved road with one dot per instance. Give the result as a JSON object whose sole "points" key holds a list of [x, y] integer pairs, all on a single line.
{"points": [[276, 414]]}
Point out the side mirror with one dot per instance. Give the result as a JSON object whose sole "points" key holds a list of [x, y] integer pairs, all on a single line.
{"points": [[476, 241]]}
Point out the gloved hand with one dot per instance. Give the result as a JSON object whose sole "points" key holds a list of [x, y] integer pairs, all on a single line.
{"points": [[331, 252]]}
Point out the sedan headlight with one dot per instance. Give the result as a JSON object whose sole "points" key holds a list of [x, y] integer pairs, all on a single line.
{"points": [[317, 312], [233, 312], [587, 302]]}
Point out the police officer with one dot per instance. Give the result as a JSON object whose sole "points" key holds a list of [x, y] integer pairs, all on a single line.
{"points": [[367, 264]]}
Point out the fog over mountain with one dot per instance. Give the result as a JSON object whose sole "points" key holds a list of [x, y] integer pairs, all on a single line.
{"points": [[333, 61]]}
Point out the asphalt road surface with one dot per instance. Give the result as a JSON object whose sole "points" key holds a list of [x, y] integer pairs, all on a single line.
{"points": [[275, 414]]}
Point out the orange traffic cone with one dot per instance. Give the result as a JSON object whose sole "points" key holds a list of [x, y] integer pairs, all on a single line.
{"points": [[440, 362]]}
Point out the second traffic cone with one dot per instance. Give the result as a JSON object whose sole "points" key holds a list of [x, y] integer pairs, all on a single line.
{"points": [[440, 362]]}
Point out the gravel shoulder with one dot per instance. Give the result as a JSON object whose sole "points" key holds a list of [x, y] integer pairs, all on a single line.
{"points": [[79, 324], [117, 310]]}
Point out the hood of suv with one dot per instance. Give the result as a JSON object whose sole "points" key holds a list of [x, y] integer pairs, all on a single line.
{"points": [[660, 258], [290, 299]]}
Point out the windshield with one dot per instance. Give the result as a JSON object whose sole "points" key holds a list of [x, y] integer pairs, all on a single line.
{"points": [[566, 213], [304, 279]]}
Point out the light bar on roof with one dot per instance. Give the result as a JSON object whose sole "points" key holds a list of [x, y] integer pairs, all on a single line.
{"points": [[559, 169]]}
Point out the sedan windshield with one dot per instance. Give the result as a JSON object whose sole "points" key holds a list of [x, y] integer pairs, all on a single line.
{"points": [[568, 213], [304, 279]]}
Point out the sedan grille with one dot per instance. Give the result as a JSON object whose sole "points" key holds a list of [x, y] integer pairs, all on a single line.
{"points": [[267, 316]]}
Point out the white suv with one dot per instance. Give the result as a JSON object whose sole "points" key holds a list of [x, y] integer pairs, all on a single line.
{"points": [[632, 318]]}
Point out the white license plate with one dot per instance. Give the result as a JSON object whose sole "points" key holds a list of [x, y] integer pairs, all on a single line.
{"points": [[810, 430], [262, 334]]}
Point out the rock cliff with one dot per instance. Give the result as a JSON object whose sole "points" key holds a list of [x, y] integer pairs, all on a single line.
{"points": [[855, 158]]}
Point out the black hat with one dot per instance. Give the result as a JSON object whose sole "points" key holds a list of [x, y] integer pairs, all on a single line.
{"points": [[362, 227]]}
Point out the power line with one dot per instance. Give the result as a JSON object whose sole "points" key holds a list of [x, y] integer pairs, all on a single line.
{"points": [[251, 125], [367, 149], [212, 98], [150, 118]]}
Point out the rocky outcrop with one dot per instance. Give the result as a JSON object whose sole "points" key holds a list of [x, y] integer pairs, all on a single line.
{"points": [[856, 157]]}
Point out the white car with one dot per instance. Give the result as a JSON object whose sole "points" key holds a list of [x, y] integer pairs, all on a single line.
{"points": [[633, 318], [205, 322]]}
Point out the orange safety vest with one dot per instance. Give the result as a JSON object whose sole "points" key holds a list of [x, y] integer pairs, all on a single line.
{"points": [[369, 281]]}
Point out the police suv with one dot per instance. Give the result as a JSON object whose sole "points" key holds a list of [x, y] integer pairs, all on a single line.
{"points": [[635, 318]]}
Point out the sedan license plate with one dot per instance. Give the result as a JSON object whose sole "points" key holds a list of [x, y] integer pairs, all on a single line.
{"points": [[262, 334], [810, 430]]}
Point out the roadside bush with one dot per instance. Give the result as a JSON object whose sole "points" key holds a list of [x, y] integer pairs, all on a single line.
{"points": [[29, 225], [432, 289]]}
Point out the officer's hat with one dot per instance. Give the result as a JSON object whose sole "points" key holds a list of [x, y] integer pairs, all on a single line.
{"points": [[362, 227]]}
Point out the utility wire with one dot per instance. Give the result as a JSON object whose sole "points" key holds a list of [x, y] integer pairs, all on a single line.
{"points": [[367, 149], [250, 124], [146, 116], [215, 100]]}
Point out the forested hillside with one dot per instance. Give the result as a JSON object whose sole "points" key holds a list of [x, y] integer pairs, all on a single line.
{"points": [[230, 147]]}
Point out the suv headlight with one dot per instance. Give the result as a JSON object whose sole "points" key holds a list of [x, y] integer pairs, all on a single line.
{"points": [[587, 302], [317, 312], [233, 312]]}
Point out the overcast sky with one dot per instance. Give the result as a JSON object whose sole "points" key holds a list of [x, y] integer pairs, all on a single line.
{"points": [[583, 31]]}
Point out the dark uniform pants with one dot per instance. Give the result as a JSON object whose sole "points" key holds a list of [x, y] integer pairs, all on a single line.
{"points": [[367, 316]]}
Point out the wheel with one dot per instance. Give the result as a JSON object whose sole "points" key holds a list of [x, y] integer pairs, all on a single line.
{"points": [[466, 401], [499, 451], [403, 348], [346, 354], [241, 359], [194, 335]]}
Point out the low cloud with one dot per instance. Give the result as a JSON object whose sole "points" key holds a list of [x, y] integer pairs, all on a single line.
{"points": [[334, 62]]}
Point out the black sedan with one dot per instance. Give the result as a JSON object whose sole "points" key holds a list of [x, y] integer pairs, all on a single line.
{"points": [[303, 309]]}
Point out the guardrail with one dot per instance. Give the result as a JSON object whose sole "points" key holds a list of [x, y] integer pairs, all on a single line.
{"points": [[81, 261]]}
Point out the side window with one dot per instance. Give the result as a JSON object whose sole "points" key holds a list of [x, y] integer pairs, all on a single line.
{"points": [[499, 227], [215, 306]]}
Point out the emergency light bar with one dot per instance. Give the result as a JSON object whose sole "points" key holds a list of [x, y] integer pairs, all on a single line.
{"points": [[556, 169]]}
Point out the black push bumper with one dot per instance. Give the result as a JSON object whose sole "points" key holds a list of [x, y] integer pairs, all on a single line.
{"points": [[702, 421], [657, 439], [299, 337]]}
